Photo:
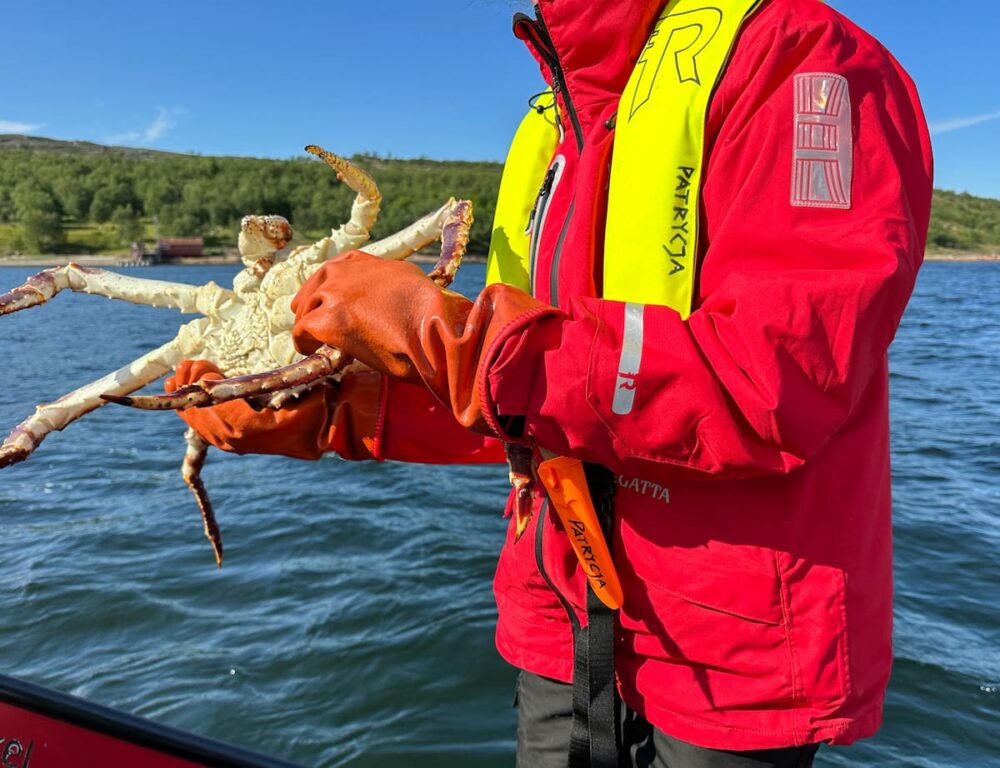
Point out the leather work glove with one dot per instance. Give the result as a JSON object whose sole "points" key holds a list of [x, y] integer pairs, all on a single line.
{"points": [[342, 419], [390, 316]]}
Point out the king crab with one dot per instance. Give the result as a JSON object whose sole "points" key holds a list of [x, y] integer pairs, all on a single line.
{"points": [[246, 331]]}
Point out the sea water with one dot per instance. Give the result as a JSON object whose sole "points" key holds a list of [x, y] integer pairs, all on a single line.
{"points": [[352, 623]]}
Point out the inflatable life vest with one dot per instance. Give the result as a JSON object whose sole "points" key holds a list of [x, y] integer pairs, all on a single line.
{"points": [[651, 239]]}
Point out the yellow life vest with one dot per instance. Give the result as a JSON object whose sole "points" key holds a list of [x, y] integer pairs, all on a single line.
{"points": [[527, 161], [651, 233]]}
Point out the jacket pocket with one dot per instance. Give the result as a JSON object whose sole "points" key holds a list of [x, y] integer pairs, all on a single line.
{"points": [[818, 630], [714, 615]]}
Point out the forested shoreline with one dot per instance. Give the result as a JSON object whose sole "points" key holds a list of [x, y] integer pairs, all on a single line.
{"points": [[71, 198], [80, 198]]}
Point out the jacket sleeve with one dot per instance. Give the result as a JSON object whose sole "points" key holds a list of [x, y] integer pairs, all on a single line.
{"points": [[415, 426], [796, 306]]}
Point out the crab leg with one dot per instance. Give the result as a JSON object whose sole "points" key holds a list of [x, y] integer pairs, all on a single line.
{"points": [[194, 460], [364, 213], [417, 235], [353, 177], [320, 365], [54, 416], [317, 367], [43, 286], [400, 245], [454, 239]]}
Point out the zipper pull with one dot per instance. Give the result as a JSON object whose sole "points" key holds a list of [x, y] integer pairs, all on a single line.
{"points": [[546, 187]]}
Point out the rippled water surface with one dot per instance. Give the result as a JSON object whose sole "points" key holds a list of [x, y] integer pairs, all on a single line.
{"points": [[352, 623]]}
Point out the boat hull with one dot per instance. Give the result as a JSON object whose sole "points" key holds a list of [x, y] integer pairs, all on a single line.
{"points": [[42, 728]]}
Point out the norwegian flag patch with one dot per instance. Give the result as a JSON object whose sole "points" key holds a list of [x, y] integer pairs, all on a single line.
{"points": [[823, 158]]}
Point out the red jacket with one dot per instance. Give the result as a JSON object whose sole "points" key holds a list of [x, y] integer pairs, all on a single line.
{"points": [[753, 533]]}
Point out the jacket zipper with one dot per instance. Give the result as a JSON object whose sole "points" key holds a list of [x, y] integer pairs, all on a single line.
{"points": [[536, 221], [540, 562], [556, 255], [542, 42]]}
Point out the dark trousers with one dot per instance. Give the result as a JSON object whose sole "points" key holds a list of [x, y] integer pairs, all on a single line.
{"points": [[545, 717]]}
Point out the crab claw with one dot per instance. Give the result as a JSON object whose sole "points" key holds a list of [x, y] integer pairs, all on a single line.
{"points": [[349, 173], [521, 473], [12, 454], [454, 239], [185, 397], [39, 289], [326, 361], [18, 446]]}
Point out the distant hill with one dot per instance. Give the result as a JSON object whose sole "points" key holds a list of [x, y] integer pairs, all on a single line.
{"points": [[80, 197], [964, 222], [77, 196], [16, 141]]}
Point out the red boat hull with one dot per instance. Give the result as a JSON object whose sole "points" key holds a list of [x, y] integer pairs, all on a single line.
{"points": [[41, 728]]}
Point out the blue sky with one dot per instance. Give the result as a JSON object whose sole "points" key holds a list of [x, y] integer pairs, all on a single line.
{"points": [[441, 79]]}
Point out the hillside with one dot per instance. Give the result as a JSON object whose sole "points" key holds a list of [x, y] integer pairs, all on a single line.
{"points": [[81, 197], [76, 197], [964, 223], [17, 141]]}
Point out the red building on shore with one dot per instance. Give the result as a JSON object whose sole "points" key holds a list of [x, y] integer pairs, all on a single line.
{"points": [[169, 248]]}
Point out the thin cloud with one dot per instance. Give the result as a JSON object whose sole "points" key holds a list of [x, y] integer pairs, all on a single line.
{"points": [[957, 123], [162, 124], [13, 126], [160, 127]]}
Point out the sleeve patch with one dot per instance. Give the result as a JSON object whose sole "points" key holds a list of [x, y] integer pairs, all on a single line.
{"points": [[823, 154]]}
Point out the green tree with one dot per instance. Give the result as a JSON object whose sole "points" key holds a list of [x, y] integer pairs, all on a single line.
{"points": [[158, 189], [127, 225], [40, 217], [8, 212], [175, 220], [74, 196], [109, 197]]}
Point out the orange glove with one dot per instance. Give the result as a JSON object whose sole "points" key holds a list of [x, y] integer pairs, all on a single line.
{"points": [[342, 419], [388, 315]]}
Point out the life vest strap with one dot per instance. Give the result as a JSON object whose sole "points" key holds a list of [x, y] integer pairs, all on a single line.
{"points": [[595, 737], [653, 222]]}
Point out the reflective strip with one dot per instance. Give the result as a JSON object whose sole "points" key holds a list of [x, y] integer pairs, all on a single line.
{"points": [[631, 359], [823, 159]]}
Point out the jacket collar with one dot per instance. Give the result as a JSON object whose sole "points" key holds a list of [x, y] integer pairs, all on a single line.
{"points": [[594, 42]]}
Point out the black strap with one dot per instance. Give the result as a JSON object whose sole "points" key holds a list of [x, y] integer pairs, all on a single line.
{"points": [[579, 737], [594, 736]]}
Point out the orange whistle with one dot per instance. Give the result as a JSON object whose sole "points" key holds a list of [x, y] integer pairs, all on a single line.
{"points": [[566, 484]]}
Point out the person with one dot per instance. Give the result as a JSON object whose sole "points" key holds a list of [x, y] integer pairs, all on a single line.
{"points": [[703, 308]]}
